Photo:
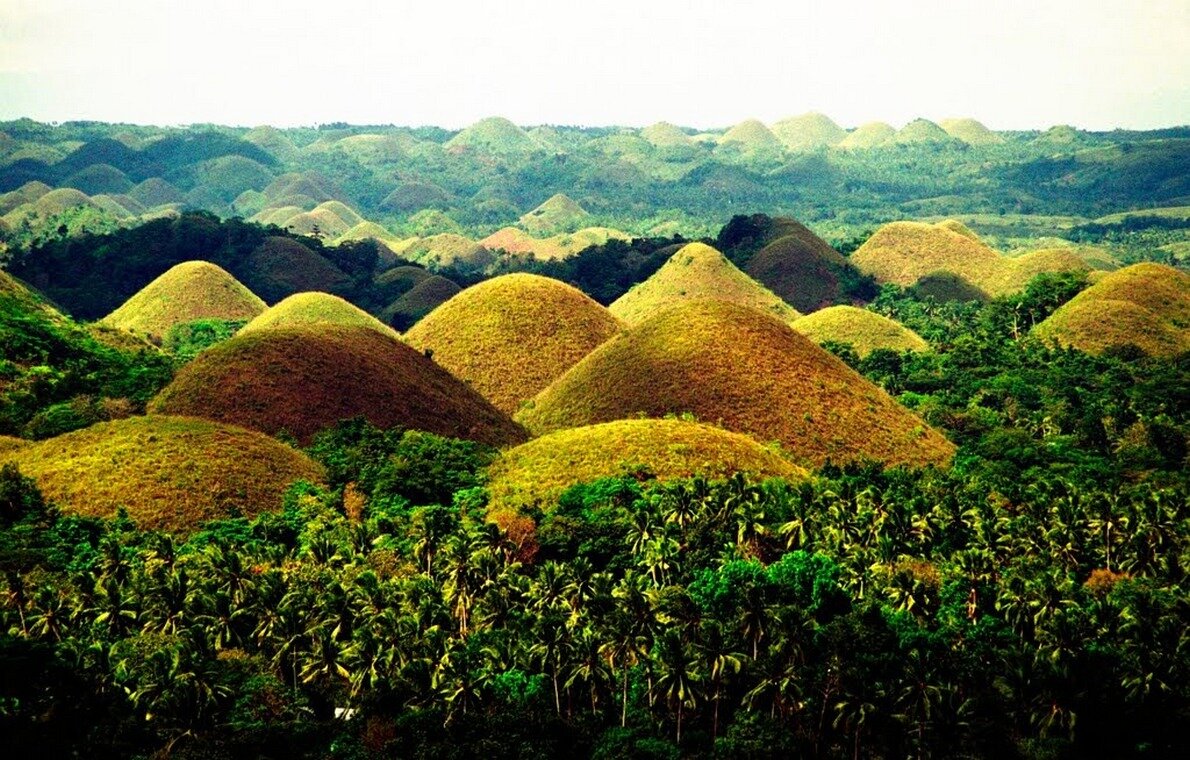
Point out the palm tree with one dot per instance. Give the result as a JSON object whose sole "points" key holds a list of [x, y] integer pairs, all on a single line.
{"points": [[678, 675], [718, 659]]}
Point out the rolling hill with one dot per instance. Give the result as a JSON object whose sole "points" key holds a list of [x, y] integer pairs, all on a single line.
{"points": [[536, 473], [559, 213], [171, 473], [411, 306], [800, 267], [808, 132], [282, 266], [315, 309], [865, 331], [304, 379], [494, 135], [511, 336], [187, 292], [1145, 305], [874, 134], [697, 271], [737, 367]]}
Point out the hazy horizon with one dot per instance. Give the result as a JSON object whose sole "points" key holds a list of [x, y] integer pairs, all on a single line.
{"points": [[1095, 66]]}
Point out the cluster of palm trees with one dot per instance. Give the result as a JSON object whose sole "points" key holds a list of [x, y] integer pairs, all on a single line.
{"points": [[906, 612]]}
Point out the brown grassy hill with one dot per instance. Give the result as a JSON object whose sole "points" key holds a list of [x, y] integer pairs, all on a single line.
{"points": [[921, 131], [808, 131], [315, 309], [517, 241], [740, 368], [1146, 305], [281, 266], [800, 267], [874, 134], [904, 252], [865, 331], [697, 271], [171, 473], [305, 379], [970, 131], [187, 292], [558, 214], [414, 304], [511, 336], [11, 443], [535, 474], [26, 193], [493, 135], [954, 225]]}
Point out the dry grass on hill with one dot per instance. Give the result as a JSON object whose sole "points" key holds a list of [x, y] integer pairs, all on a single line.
{"points": [[305, 379], [865, 331], [740, 368], [697, 271], [171, 473], [511, 336], [535, 474]]}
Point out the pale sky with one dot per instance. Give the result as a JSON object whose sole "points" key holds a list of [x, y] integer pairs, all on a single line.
{"points": [[1013, 64]]}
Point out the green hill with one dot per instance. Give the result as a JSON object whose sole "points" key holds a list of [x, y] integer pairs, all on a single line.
{"points": [[863, 330], [808, 132], [874, 134], [558, 214], [315, 309], [494, 135], [971, 132]]}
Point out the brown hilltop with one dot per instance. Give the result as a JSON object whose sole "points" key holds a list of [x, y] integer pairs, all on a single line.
{"points": [[511, 336], [304, 379], [740, 368]]}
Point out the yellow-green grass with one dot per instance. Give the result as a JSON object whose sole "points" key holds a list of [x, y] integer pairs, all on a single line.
{"points": [[1060, 135], [799, 267], [1016, 272], [320, 222], [280, 267], [53, 202], [126, 203], [954, 225], [874, 134], [170, 473], [1164, 212], [306, 378], [310, 184], [108, 204], [26, 193], [446, 250], [865, 331], [904, 252], [574, 242], [511, 336], [391, 283], [921, 131], [340, 209], [1145, 305], [560, 213], [369, 231], [99, 178], [971, 132], [10, 443], [697, 271], [228, 176], [315, 308], [808, 131], [187, 292], [415, 303], [495, 135], [273, 141], [752, 135], [535, 474], [664, 135], [276, 215], [740, 368]]}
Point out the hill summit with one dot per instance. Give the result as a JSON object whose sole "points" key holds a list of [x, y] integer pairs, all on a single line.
{"points": [[697, 271], [187, 292], [738, 367], [511, 336]]}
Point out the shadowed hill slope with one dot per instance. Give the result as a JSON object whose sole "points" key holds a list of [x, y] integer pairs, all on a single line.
{"points": [[305, 379]]}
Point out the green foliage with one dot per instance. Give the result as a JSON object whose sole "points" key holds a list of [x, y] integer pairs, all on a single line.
{"points": [[189, 339]]}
